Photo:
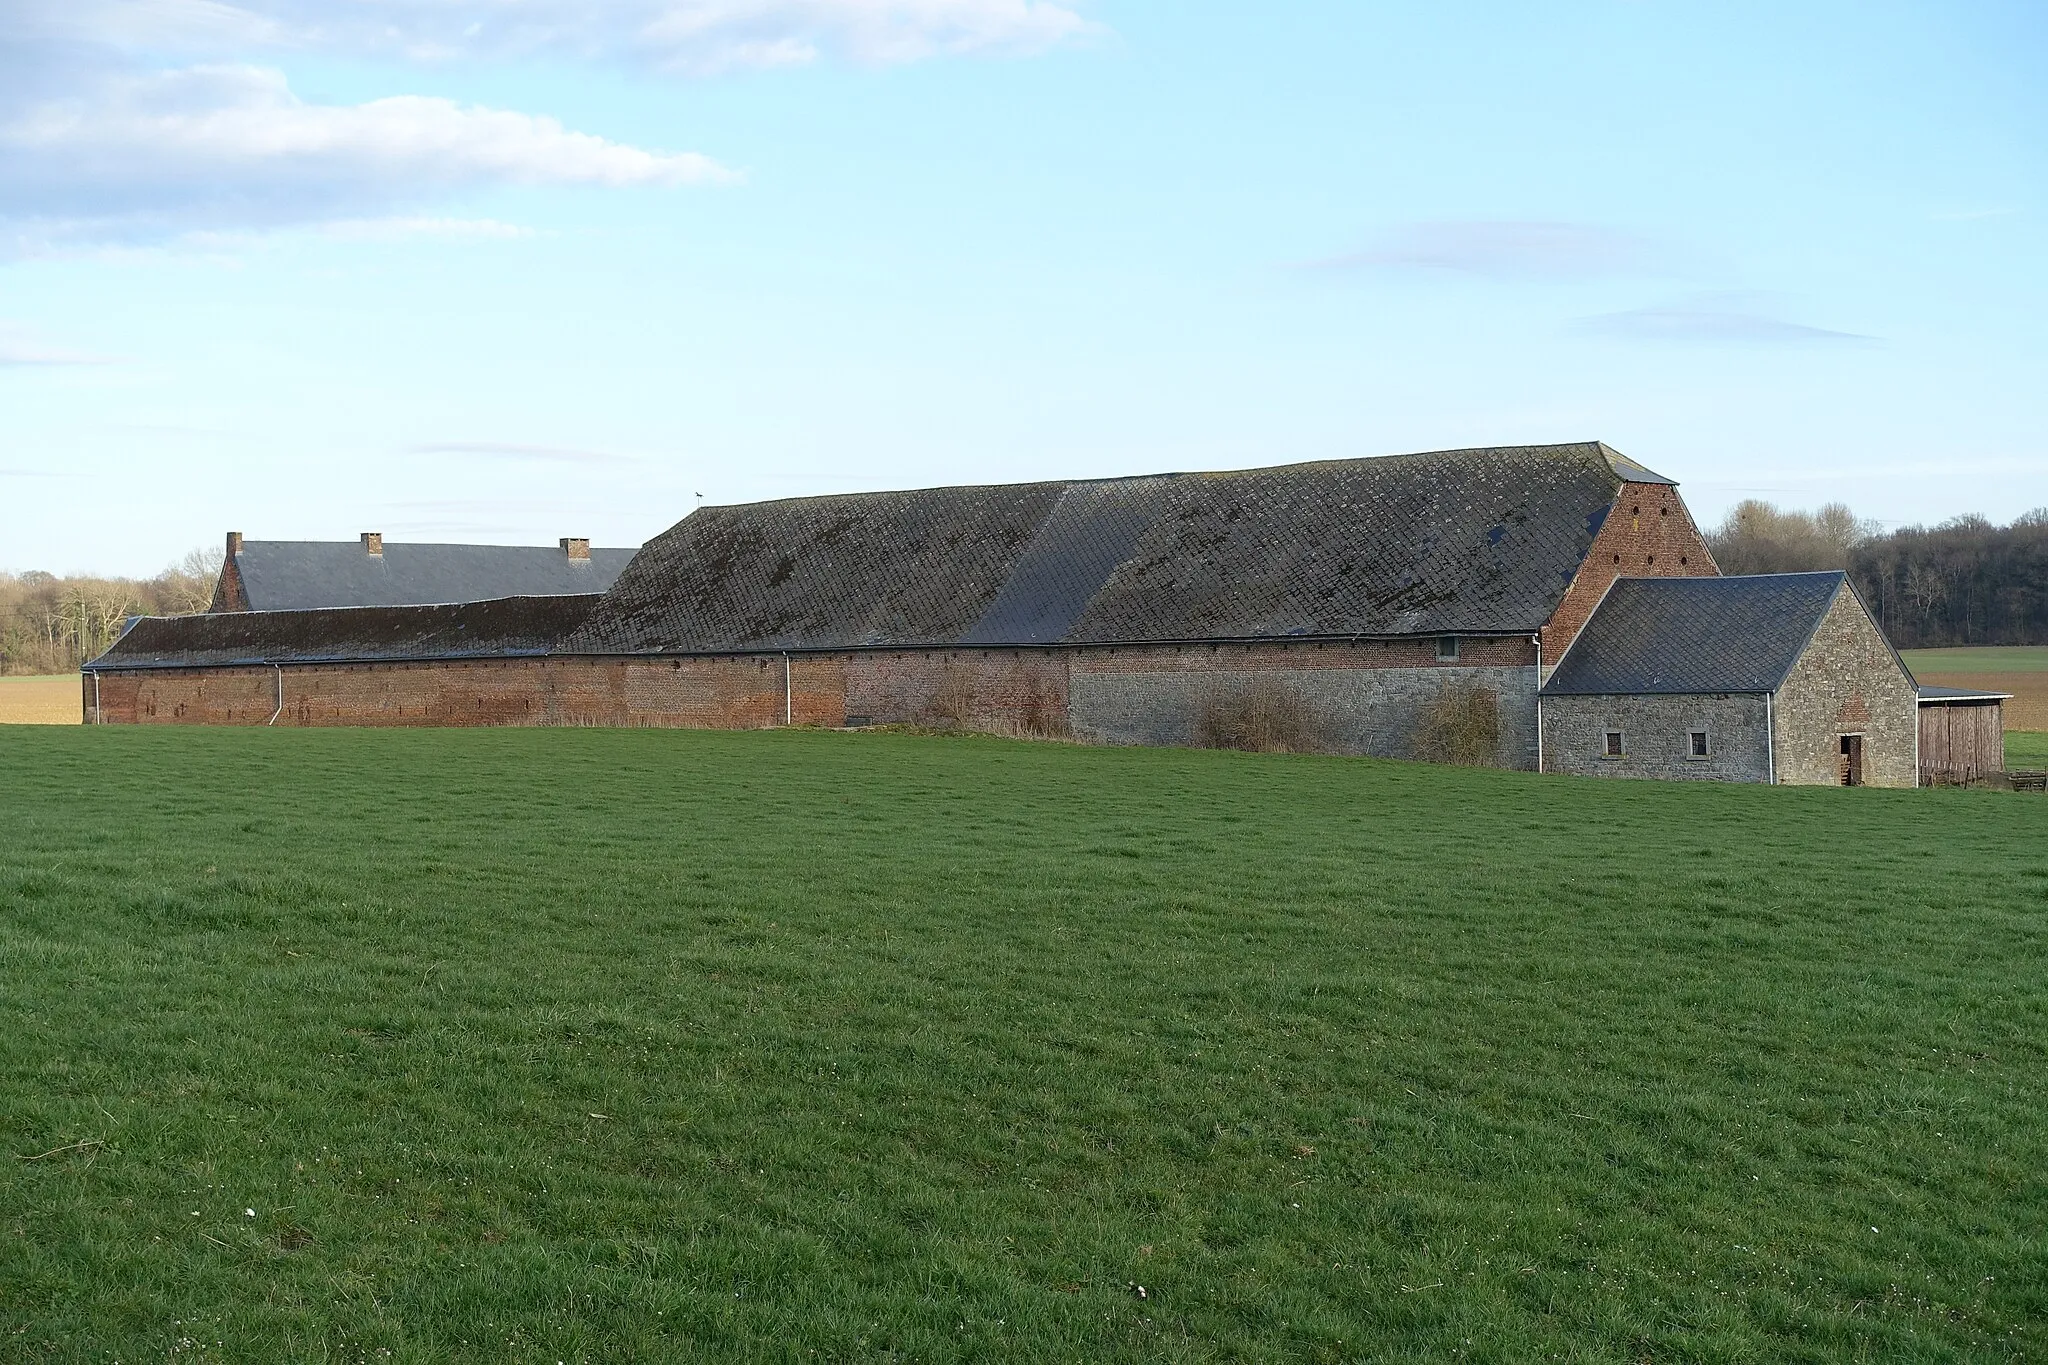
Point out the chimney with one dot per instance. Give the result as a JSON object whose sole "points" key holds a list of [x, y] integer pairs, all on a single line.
{"points": [[234, 543], [576, 547], [373, 543]]}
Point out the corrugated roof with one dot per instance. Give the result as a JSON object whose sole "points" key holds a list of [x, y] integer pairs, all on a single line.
{"points": [[1460, 541], [1937, 696], [1694, 635], [504, 627], [296, 575]]}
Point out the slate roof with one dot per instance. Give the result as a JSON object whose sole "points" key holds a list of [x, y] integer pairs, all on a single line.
{"points": [[292, 575], [1459, 541], [1696, 635], [503, 628]]}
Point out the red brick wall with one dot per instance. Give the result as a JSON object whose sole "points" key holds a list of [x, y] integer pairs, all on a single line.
{"points": [[1011, 691], [1647, 534]]}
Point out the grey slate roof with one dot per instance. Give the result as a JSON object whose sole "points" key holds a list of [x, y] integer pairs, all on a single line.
{"points": [[1460, 541], [290, 575], [1695, 635], [503, 628]]}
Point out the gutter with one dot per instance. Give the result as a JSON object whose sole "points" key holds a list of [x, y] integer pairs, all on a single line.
{"points": [[105, 665]]}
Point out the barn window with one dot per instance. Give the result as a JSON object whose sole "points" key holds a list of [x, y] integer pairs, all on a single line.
{"points": [[1696, 744], [1447, 649], [1613, 749]]}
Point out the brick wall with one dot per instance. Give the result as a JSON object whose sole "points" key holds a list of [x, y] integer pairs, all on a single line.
{"points": [[1656, 737], [1367, 696], [1648, 534], [1848, 682]]}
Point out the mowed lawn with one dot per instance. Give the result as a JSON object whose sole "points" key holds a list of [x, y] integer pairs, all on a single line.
{"points": [[582, 1045]]}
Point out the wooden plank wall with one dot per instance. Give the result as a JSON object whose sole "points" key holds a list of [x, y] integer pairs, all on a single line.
{"points": [[1964, 739]]}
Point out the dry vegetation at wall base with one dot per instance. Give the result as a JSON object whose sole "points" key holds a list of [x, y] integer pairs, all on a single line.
{"points": [[607, 1045]]}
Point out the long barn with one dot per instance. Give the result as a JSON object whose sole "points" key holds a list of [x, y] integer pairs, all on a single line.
{"points": [[1401, 606]]}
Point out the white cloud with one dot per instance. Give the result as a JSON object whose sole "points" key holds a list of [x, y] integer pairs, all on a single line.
{"points": [[679, 35], [1731, 318], [1509, 250], [140, 157], [20, 348], [103, 145], [503, 450]]}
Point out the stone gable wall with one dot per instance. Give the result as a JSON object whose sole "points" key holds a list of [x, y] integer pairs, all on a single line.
{"points": [[1848, 682]]}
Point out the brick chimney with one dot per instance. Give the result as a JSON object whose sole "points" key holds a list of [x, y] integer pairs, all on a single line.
{"points": [[234, 543], [373, 543], [576, 547]]}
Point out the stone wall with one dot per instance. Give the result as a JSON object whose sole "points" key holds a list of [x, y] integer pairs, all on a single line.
{"points": [[1656, 737], [1848, 682], [1366, 697], [1648, 534], [1362, 698]]}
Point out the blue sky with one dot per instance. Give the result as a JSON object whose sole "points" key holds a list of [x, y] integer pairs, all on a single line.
{"points": [[506, 270]]}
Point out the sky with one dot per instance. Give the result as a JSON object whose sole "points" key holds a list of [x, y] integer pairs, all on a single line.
{"points": [[510, 270]]}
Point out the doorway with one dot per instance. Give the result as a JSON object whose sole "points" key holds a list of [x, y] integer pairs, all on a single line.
{"points": [[1852, 760]]}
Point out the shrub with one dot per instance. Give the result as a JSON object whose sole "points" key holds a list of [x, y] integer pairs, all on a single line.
{"points": [[1264, 715], [1462, 726]]}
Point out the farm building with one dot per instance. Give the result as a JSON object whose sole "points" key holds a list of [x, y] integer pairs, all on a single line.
{"points": [[1391, 606], [1764, 678], [1962, 733], [300, 575]]}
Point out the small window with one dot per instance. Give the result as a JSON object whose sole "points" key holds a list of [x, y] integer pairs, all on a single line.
{"points": [[1613, 749], [1447, 649], [1696, 744]]}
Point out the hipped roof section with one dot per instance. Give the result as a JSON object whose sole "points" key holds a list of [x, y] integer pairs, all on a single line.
{"points": [[1696, 635], [507, 627], [296, 575], [1447, 542]]}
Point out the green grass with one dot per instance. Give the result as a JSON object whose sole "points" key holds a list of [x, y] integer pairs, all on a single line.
{"points": [[2026, 748], [632, 1046], [1980, 659]]}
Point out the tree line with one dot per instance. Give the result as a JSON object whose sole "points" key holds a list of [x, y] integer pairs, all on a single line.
{"points": [[1966, 581], [51, 624]]}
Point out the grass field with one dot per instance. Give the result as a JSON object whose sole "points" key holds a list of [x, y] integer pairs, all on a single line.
{"points": [[2026, 749], [559, 1045], [39, 701], [1986, 659]]}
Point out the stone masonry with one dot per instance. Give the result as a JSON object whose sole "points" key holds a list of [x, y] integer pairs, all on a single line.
{"points": [[1848, 682], [1656, 735]]}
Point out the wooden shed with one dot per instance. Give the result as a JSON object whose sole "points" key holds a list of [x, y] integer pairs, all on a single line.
{"points": [[1962, 734]]}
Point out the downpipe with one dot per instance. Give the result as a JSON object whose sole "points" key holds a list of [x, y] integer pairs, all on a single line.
{"points": [[788, 694], [280, 695]]}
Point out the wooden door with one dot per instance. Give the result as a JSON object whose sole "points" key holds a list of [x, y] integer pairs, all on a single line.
{"points": [[1852, 760]]}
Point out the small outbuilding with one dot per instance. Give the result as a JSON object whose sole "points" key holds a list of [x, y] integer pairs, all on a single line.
{"points": [[1962, 734], [1781, 678]]}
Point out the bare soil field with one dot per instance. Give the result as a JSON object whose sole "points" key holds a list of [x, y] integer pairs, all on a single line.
{"points": [[2019, 669], [40, 701]]}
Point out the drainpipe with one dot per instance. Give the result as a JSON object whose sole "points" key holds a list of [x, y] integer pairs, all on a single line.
{"points": [[1537, 640], [280, 695], [98, 719], [788, 697], [1770, 745]]}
